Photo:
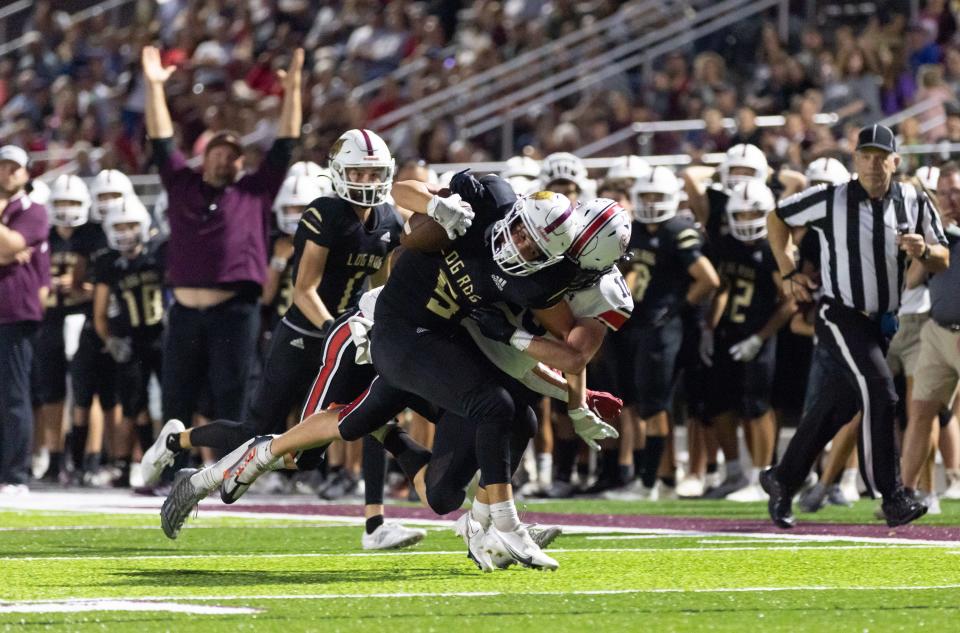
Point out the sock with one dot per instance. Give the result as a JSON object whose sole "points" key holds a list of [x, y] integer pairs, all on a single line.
{"points": [[56, 462], [173, 443], [734, 469], [505, 517], [712, 468], [638, 463], [652, 453], [373, 523], [566, 458], [545, 468], [78, 445], [124, 465], [207, 479], [754, 476], [481, 512], [583, 471], [609, 467], [144, 435], [626, 473], [91, 461], [266, 460], [952, 474], [669, 482]]}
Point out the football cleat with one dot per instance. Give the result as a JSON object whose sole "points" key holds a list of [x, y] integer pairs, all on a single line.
{"points": [[473, 535], [836, 496], [813, 499], [751, 493], [690, 486], [238, 477], [634, 491], [780, 502], [181, 501], [392, 536], [158, 456], [902, 508], [559, 490], [727, 487], [522, 548], [498, 554], [543, 535]]}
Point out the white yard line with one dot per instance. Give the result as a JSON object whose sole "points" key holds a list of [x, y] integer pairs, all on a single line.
{"points": [[121, 604], [486, 594], [589, 550]]}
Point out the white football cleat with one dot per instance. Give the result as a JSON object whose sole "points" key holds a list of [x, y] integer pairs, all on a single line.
{"points": [[690, 486], [392, 536], [158, 456], [634, 491], [472, 534], [750, 493], [498, 553], [238, 476], [522, 548]]}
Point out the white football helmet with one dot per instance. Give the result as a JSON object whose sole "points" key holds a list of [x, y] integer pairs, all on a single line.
{"points": [[39, 192], [749, 197], [130, 210], [604, 234], [521, 173], [306, 168], [548, 220], [109, 182], [69, 188], [359, 149], [296, 191], [826, 170], [929, 176], [628, 168], [660, 180], [160, 204], [748, 156], [563, 166]]}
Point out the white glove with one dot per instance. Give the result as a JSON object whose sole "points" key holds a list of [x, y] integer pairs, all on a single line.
{"points": [[591, 428], [747, 349], [452, 213], [706, 347], [360, 334], [120, 349]]}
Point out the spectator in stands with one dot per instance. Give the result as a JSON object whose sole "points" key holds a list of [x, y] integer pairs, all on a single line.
{"points": [[933, 89], [217, 257], [24, 275]]}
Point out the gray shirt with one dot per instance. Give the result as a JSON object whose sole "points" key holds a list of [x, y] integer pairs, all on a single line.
{"points": [[945, 286]]}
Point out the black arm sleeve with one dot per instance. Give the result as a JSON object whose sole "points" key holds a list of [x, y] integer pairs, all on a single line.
{"points": [[281, 152], [162, 149]]}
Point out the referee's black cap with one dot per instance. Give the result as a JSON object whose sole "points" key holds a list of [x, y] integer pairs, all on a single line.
{"points": [[878, 137]]}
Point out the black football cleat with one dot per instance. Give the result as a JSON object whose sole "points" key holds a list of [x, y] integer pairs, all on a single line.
{"points": [[902, 508], [780, 504]]}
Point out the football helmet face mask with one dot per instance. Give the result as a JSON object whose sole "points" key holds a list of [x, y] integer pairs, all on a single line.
{"points": [[297, 192], [120, 236], [628, 168], [69, 204], [749, 199], [563, 166], [544, 223], [929, 176], [661, 181], [827, 170], [746, 157], [361, 151], [604, 236], [108, 190]]}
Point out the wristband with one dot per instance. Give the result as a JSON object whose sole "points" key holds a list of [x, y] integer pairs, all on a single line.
{"points": [[925, 255], [789, 274], [521, 340], [278, 263]]}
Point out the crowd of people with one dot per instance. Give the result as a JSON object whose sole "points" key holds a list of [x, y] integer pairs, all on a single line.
{"points": [[247, 298]]}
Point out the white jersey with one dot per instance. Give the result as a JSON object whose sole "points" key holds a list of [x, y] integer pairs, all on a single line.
{"points": [[915, 300]]}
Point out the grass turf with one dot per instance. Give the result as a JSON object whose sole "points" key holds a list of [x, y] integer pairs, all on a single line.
{"points": [[681, 583]]}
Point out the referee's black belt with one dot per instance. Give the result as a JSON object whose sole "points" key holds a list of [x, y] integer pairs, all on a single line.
{"points": [[953, 327], [873, 316]]}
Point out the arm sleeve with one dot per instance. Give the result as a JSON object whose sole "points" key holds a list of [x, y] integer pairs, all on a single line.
{"points": [[689, 246], [269, 176], [319, 224], [168, 159], [807, 206], [928, 221]]}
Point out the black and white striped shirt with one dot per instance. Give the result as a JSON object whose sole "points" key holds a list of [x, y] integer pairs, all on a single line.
{"points": [[859, 266]]}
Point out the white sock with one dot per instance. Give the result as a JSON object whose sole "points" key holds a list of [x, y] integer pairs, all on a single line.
{"points": [[545, 468], [754, 476], [849, 476], [734, 469], [481, 512], [266, 460], [505, 517]]}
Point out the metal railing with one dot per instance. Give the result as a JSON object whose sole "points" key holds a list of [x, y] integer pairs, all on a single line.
{"points": [[479, 87], [647, 129], [679, 36]]}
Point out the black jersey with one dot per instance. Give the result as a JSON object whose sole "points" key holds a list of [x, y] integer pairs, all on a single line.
{"points": [[284, 298], [435, 290], [660, 262], [84, 243], [717, 223], [746, 271], [357, 250], [136, 291]]}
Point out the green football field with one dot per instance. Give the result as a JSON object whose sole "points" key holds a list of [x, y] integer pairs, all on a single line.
{"points": [[96, 571]]}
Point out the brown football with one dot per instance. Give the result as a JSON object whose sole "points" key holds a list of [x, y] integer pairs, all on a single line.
{"points": [[422, 233]]}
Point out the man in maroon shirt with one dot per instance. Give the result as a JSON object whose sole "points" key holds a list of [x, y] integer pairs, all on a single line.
{"points": [[217, 254], [24, 275]]}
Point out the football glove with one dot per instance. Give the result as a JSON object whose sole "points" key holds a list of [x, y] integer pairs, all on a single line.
{"points": [[493, 323], [452, 213], [606, 405], [747, 349], [591, 428], [119, 348]]}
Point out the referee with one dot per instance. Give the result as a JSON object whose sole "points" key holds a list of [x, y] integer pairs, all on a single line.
{"points": [[867, 228]]}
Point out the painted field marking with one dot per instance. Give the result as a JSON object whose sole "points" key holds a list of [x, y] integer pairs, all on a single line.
{"points": [[589, 550], [115, 604], [276, 526], [487, 594]]}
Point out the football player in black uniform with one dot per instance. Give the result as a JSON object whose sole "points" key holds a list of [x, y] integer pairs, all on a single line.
{"points": [[128, 316], [739, 341], [339, 242], [667, 272], [72, 242]]}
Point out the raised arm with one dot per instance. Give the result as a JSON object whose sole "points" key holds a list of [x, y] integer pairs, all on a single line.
{"points": [[159, 123], [291, 114]]}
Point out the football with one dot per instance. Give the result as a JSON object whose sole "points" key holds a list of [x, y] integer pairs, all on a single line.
{"points": [[422, 233]]}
